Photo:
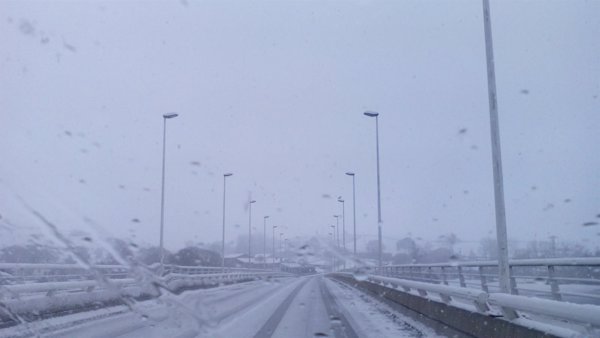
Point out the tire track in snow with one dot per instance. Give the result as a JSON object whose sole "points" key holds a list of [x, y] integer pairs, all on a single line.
{"points": [[341, 327], [267, 330]]}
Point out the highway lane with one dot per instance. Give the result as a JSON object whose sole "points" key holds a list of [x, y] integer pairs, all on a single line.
{"points": [[310, 306]]}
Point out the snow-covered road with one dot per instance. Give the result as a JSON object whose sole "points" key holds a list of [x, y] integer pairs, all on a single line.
{"points": [[312, 306]]}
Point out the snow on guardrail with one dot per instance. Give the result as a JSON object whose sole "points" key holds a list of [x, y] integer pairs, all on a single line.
{"points": [[536, 312], [38, 297], [575, 279]]}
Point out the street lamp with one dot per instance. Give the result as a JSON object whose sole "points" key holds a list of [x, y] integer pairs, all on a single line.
{"points": [[337, 229], [343, 222], [333, 231], [281, 252], [376, 116], [250, 230], [332, 256], [280, 249], [501, 232], [223, 242], [353, 206], [274, 227], [162, 195], [265, 240]]}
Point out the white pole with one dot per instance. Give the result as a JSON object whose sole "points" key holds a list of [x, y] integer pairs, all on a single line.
{"points": [[223, 239], [501, 233], [344, 224], [250, 232], [354, 210], [378, 193], [274, 226], [265, 241], [162, 189]]}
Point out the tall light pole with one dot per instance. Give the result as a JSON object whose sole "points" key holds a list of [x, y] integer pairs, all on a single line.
{"points": [[376, 116], [274, 227], [341, 200], [337, 229], [280, 251], [501, 233], [250, 230], [333, 231], [162, 195], [332, 256], [353, 206], [223, 239], [265, 240]]}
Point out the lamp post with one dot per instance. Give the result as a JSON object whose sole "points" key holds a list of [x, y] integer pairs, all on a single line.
{"points": [[274, 227], [337, 229], [376, 116], [280, 251], [162, 195], [331, 233], [501, 233], [353, 206], [341, 200], [265, 241], [333, 229], [223, 239], [250, 230], [280, 242]]}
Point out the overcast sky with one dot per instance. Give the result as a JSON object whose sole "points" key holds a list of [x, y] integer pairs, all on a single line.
{"points": [[274, 92]]}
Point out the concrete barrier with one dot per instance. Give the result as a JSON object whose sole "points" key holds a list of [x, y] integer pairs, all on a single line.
{"points": [[470, 323]]}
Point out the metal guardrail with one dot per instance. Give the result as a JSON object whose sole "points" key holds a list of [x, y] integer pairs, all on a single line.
{"points": [[21, 273], [571, 279], [34, 289], [513, 307]]}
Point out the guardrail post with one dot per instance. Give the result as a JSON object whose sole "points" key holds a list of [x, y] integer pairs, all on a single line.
{"points": [[444, 279], [484, 285], [509, 313], [445, 298], [513, 282], [553, 283], [481, 303], [461, 277]]}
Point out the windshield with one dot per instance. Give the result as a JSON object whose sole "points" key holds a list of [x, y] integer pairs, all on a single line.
{"points": [[292, 168]]}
